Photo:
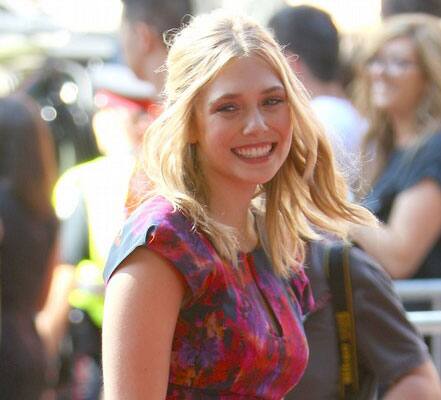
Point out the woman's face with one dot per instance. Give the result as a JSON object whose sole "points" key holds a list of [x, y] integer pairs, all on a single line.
{"points": [[397, 82], [244, 125]]}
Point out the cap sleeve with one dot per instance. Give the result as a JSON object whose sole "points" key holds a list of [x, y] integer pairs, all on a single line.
{"points": [[301, 287], [167, 232]]}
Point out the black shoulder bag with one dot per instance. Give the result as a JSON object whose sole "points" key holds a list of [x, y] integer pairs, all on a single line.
{"points": [[337, 267]]}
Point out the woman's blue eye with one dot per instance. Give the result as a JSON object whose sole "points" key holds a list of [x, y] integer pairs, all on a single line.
{"points": [[273, 101], [227, 108]]}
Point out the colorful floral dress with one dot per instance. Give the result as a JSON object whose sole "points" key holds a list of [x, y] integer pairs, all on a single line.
{"points": [[240, 335]]}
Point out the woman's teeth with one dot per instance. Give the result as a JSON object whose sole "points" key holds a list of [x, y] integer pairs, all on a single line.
{"points": [[253, 152]]}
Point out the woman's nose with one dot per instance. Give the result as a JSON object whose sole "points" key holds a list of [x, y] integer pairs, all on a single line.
{"points": [[255, 122]]}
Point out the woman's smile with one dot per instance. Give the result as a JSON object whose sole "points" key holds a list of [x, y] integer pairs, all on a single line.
{"points": [[254, 151]]}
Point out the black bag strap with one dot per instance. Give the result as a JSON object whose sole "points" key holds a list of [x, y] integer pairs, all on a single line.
{"points": [[337, 267]]}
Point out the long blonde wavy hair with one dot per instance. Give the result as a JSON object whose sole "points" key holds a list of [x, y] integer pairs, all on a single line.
{"points": [[425, 33], [306, 193]]}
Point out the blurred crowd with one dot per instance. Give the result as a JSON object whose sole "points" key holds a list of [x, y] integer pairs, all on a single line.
{"points": [[71, 133]]}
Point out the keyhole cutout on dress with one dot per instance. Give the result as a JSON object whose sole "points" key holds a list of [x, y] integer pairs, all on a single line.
{"points": [[271, 316]]}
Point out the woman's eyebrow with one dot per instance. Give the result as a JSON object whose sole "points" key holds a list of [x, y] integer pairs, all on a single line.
{"points": [[226, 96], [230, 96], [273, 89]]}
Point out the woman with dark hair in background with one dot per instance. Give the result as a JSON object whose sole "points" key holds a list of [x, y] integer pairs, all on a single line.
{"points": [[27, 251]]}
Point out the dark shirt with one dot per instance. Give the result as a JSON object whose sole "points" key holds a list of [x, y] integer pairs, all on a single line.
{"points": [[405, 169], [388, 345]]}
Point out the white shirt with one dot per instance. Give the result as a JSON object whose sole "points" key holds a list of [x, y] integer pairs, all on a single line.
{"points": [[345, 128]]}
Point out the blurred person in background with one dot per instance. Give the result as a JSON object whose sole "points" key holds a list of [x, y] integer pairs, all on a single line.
{"points": [[392, 360], [144, 25], [390, 8], [90, 201], [28, 249], [124, 111], [400, 93], [144, 28], [311, 43]]}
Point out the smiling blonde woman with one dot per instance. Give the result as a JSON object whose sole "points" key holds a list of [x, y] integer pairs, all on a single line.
{"points": [[206, 289]]}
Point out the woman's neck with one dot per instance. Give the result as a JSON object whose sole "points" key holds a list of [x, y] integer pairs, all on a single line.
{"points": [[235, 212], [404, 129]]}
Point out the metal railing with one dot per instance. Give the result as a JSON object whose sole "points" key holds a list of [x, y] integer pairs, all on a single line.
{"points": [[420, 290], [428, 322]]}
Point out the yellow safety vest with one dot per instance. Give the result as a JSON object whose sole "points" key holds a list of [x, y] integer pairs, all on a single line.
{"points": [[103, 184]]}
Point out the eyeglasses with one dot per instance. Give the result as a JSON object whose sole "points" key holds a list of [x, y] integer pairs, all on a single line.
{"points": [[391, 65]]}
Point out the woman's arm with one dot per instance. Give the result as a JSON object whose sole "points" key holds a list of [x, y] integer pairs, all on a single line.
{"points": [[420, 383], [51, 320], [401, 245], [53, 261], [142, 303]]}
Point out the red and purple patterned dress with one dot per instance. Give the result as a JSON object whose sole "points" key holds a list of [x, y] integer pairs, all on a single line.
{"points": [[240, 336]]}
